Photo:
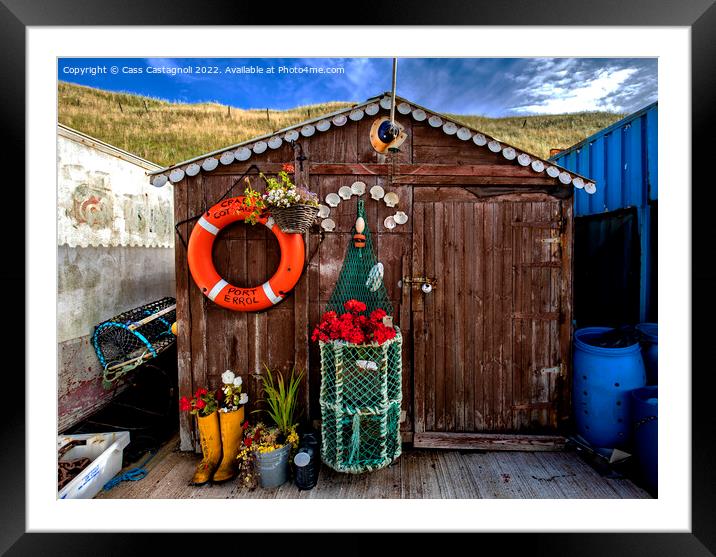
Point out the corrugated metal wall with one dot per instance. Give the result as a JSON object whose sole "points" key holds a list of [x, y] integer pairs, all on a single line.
{"points": [[622, 160]]}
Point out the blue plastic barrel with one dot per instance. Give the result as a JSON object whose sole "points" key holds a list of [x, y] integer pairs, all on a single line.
{"points": [[645, 412], [649, 333], [602, 380]]}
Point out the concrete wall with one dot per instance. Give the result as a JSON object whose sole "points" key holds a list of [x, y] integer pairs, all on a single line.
{"points": [[115, 252]]}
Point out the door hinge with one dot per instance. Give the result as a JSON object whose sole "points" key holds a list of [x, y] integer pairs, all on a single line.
{"points": [[561, 369]]}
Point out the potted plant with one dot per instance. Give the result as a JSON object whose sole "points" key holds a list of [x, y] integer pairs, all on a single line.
{"points": [[294, 208], [264, 457], [231, 417], [204, 406]]}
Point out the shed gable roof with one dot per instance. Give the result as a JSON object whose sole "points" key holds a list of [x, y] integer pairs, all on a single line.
{"points": [[245, 150]]}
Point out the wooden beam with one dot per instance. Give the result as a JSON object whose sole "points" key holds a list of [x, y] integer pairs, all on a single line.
{"points": [[489, 441], [459, 180]]}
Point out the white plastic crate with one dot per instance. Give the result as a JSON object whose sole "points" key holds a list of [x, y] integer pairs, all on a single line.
{"points": [[105, 450]]}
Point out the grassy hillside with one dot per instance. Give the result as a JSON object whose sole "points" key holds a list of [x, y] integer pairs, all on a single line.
{"points": [[166, 133]]}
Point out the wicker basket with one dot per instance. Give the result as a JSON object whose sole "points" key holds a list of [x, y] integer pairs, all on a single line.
{"points": [[296, 219]]}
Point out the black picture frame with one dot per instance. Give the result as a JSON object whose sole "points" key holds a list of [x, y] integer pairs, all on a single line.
{"points": [[699, 15]]}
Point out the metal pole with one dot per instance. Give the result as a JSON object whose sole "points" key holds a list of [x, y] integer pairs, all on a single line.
{"points": [[392, 101]]}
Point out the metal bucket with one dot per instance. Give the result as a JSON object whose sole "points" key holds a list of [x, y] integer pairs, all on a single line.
{"points": [[273, 467]]}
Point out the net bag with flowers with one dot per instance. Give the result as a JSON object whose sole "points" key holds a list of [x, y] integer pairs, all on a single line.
{"points": [[361, 362]]}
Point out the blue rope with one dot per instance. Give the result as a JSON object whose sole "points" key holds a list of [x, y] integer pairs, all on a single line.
{"points": [[133, 475]]}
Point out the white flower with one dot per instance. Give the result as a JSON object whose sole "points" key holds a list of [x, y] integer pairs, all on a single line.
{"points": [[237, 381], [228, 377], [244, 398]]}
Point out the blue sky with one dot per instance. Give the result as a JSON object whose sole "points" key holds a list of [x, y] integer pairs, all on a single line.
{"points": [[485, 86]]}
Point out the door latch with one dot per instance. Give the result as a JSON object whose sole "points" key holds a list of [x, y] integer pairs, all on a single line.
{"points": [[425, 282]]}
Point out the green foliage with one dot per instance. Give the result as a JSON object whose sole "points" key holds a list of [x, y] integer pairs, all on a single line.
{"points": [[281, 398]]}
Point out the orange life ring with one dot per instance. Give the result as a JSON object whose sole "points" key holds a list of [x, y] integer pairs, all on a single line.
{"points": [[216, 288]]}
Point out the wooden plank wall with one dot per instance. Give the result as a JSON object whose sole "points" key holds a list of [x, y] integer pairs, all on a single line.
{"points": [[212, 339]]}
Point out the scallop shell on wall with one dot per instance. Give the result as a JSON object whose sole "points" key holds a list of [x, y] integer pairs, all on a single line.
{"points": [[226, 158], [464, 134], [358, 188], [193, 169], [376, 192], [590, 188], [210, 164], [435, 121], [323, 125], [479, 139], [333, 200], [345, 192], [389, 223], [372, 109], [323, 211], [404, 108], [419, 115], [328, 225], [260, 147], [450, 128], [339, 120], [356, 115], [538, 166], [243, 154], [400, 217], [275, 142], [291, 135], [391, 199]]}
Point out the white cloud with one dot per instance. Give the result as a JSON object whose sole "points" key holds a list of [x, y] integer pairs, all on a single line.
{"points": [[556, 97]]}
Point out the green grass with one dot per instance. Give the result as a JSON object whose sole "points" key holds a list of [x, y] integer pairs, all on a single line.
{"points": [[166, 133]]}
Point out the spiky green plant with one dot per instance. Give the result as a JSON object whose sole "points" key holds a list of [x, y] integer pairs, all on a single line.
{"points": [[281, 398]]}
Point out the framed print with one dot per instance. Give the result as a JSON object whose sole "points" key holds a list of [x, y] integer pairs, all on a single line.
{"points": [[307, 281]]}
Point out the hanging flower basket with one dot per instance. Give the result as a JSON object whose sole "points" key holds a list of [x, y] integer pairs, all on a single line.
{"points": [[296, 219]]}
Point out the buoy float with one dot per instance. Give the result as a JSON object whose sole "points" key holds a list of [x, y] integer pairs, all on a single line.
{"points": [[219, 291], [359, 237], [174, 328]]}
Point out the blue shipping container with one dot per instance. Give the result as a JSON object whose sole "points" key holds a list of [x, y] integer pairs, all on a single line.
{"points": [[622, 161]]}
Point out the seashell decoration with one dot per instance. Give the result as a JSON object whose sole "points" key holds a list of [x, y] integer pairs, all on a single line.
{"points": [[358, 188], [450, 128], [275, 142], [193, 169], [323, 211], [435, 121], [339, 120], [260, 147], [464, 134], [552, 171], [356, 115], [494, 146], [176, 175], [210, 164], [226, 158], [375, 277], [524, 159], [590, 188], [345, 192], [323, 125], [509, 153], [329, 225], [400, 217], [243, 154], [376, 192], [389, 223], [403, 108], [333, 200], [479, 139], [391, 199], [538, 166], [565, 178], [419, 115], [385, 103], [308, 130], [291, 135], [159, 181], [372, 109], [578, 183]]}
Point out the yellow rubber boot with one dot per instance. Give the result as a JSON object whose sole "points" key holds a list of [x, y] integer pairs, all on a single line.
{"points": [[210, 439], [230, 425]]}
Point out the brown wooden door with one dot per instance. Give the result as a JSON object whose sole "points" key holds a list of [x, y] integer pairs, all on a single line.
{"points": [[488, 352]]}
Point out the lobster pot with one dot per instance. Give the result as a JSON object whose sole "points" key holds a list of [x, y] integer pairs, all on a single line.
{"points": [[131, 338], [361, 394]]}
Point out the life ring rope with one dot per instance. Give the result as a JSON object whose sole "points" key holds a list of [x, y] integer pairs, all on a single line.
{"points": [[220, 291]]}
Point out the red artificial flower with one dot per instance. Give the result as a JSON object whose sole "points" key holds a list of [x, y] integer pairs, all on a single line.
{"points": [[354, 306], [288, 167], [248, 441], [377, 315], [200, 404], [199, 392], [184, 404]]}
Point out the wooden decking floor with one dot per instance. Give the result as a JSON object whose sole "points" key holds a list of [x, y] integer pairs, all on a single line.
{"points": [[417, 474]]}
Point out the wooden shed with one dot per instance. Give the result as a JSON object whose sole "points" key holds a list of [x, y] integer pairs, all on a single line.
{"points": [[486, 354]]}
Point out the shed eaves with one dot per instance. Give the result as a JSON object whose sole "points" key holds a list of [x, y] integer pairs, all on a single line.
{"points": [[257, 145]]}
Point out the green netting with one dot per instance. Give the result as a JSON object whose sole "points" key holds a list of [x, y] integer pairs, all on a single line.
{"points": [[360, 401], [361, 385], [354, 274]]}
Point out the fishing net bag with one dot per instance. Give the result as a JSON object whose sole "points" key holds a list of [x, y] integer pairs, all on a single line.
{"points": [[361, 384]]}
